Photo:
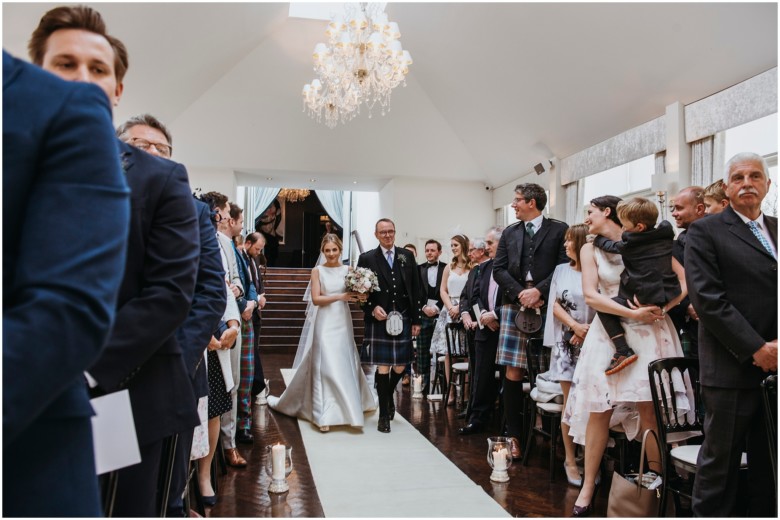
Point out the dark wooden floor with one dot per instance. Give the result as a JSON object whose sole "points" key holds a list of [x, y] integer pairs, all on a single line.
{"points": [[529, 493]]}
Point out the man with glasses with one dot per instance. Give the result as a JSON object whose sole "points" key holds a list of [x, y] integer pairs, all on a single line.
{"points": [[486, 295], [399, 284], [147, 133], [525, 260], [142, 354]]}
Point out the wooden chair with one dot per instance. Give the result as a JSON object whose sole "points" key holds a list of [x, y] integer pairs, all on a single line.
{"points": [[166, 473], [108, 484], [539, 362]]}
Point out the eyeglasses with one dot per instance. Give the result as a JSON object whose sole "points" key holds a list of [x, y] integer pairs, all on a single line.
{"points": [[163, 149], [386, 233], [517, 201]]}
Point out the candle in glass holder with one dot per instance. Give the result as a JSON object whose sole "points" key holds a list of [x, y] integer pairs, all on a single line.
{"points": [[277, 461], [499, 459]]}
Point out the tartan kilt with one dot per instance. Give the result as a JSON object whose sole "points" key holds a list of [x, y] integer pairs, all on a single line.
{"points": [[379, 348], [512, 344]]}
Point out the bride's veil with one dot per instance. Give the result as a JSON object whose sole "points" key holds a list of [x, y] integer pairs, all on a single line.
{"points": [[304, 344]]}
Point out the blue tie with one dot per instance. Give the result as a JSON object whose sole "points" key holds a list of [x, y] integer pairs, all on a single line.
{"points": [[753, 225], [390, 258], [530, 228]]}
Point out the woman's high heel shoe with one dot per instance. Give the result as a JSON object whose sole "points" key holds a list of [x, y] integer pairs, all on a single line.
{"points": [[576, 482], [582, 511]]}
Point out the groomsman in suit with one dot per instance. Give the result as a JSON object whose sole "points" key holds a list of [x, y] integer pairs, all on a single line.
{"points": [[143, 354], [687, 207], [208, 303], [525, 260], [731, 272], [61, 170], [399, 291], [487, 296], [431, 273]]}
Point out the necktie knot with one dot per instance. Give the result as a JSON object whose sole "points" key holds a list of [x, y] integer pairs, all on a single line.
{"points": [[390, 258], [530, 229]]}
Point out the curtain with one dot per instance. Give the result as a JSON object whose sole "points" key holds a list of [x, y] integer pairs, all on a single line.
{"points": [[660, 163], [337, 206], [702, 161], [573, 208], [256, 200]]}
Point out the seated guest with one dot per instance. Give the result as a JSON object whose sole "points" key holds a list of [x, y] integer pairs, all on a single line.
{"points": [[58, 304], [568, 321], [715, 199]]}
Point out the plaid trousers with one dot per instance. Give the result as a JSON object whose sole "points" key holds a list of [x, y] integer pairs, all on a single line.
{"points": [[247, 375]]}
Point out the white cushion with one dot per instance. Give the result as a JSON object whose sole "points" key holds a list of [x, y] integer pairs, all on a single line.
{"points": [[526, 387], [460, 367], [551, 407], [690, 454]]}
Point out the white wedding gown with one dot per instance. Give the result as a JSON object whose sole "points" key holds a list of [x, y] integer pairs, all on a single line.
{"points": [[329, 387]]}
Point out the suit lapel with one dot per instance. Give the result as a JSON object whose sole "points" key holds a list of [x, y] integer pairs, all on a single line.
{"points": [[743, 232], [384, 269], [543, 230], [126, 155], [771, 227], [520, 234]]}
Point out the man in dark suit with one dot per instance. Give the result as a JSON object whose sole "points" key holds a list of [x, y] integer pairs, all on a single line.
{"points": [[687, 207], [487, 296], [62, 180], [731, 273], [525, 260], [142, 353], [431, 273], [399, 284], [253, 245], [208, 303]]}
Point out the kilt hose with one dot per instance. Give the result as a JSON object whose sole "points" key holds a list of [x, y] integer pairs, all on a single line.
{"points": [[380, 348], [247, 375]]}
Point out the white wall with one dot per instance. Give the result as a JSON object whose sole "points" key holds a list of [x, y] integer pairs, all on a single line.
{"points": [[209, 179]]}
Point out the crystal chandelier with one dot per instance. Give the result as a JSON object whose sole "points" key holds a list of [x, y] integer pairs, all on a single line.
{"points": [[293, 194], [362, 62]]}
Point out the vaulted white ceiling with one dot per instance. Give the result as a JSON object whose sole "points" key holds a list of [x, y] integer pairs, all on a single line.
{"points": [[494, 88]]}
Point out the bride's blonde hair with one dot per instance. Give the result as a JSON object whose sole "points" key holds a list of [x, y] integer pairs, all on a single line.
{"points": [[330, 237]]}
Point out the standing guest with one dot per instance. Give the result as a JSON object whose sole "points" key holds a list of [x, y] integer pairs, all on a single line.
{"points": [[568, 321], [267, 223], [411, 248], [143, 354], [732, 272], [253, 244], [597, 400], [59, 306], [453, 281], [399, 284], [524, 280], [408, 370], [246, 306], [687, 207], [208, 303], [486, 295], [715, 199], [329, 387], [431, 273]]}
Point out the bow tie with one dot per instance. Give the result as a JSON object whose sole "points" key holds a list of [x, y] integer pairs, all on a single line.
{"points": [[432, 264]]}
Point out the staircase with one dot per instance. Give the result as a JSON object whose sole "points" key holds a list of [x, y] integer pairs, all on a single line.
{"points": [[285, 310]]}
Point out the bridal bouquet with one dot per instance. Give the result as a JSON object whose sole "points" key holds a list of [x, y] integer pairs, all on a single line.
{"points": [[361, 280]]}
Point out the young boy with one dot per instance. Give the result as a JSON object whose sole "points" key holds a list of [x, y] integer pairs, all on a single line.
{"points": [[715, 199], [648, 274]]}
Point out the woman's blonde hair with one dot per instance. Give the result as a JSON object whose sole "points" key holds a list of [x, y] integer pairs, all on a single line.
{"points": [[463, 241], [331, 238]]}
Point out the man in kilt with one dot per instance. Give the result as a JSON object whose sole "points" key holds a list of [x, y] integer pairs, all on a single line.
{"points": [[525, 260], [399, 291]]}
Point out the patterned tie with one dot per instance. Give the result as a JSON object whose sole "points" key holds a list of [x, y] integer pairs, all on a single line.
{"points": [[530, 228], [390, 258], [753, 225]]}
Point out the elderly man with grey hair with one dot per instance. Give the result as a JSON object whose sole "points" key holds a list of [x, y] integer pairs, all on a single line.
{"points": [[487, 297], [731, 273]]}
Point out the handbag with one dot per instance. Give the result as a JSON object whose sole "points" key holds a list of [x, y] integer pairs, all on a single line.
{"points": [[395, 323], [528, 321], [628, 498]]}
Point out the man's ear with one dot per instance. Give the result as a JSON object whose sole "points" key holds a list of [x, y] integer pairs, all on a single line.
{"points": [[700, 209], [119, 89], [640, 227]]}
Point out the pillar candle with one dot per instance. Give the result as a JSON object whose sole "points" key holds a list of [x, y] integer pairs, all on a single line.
{"points": [[499, 459], [417, 383], [277, 461]]}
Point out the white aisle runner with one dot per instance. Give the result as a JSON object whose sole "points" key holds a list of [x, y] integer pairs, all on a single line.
{"points": [[397, 474]]}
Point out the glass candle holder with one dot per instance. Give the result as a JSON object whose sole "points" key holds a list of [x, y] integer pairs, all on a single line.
{"points": [[499, 457], [278, 465]]}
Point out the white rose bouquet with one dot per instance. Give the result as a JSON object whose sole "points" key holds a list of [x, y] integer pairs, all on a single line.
{"points": [[362, 281]]}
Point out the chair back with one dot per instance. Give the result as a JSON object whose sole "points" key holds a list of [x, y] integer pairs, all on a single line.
{"points": [[457, 339], [538, 359], [666, 377]]}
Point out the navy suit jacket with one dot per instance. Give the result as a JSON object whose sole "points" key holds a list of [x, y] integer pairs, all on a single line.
{"points": [[143, 353], [66, 213], [208, 303], [732, 283]]}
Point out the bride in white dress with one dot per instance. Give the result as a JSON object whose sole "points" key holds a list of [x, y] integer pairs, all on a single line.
{"points": [[452, 283], [329, 387]]}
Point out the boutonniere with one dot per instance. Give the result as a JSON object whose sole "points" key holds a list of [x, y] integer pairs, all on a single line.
{"points": [[402, 260]]}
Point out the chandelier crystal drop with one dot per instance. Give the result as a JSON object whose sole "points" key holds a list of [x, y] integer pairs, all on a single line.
{"points": [[293, 194], [362, 63]]}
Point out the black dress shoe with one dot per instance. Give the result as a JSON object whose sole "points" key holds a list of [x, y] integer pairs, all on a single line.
{"points": [[582, 511], [470, 428], [244, 437], [209, 501], [384, 425]]}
